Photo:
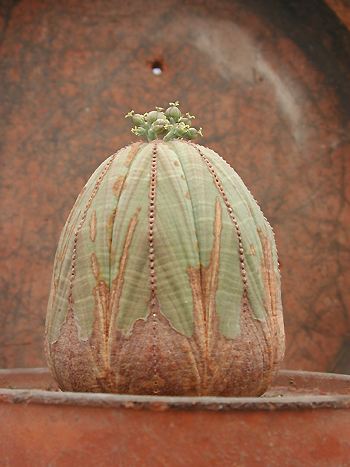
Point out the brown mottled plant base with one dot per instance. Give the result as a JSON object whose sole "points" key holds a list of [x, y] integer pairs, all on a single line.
{"points": [[166, 276]]}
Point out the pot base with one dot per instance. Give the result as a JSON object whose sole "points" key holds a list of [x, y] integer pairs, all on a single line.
{"points": [[303, 420]]}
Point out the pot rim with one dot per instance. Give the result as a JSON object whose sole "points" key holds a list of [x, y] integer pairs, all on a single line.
{"points": [[306, 400]]}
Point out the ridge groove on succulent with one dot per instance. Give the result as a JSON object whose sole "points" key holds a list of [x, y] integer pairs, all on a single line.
{"points": [[192, 207], [231, 214], [230, 210], [80, 225], [117, 189], [152, 271]]}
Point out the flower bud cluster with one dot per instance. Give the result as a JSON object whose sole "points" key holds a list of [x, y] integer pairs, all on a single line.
{"points": [[164, 124]]}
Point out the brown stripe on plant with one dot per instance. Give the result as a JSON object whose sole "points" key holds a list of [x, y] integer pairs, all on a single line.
{"points": [[166, 276]]}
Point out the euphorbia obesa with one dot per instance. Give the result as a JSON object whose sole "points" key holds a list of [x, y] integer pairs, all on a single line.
{"points": [[166, 275]]}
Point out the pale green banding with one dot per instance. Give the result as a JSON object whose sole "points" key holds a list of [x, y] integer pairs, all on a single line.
{"points": [[248, 225], [83, 282], [133, 201], [250, 219], [203, 195], [185, 209], [176, 247], [67, 235], [103, 204], [167, 126], [230, 289], [58, 300]]}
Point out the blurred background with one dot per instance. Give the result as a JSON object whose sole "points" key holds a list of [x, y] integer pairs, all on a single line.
{"points": [[269, 83]]}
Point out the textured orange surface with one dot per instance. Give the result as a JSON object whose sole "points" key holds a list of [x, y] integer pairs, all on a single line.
{"points": [[302, 422], [268, 82], [342, 10]]}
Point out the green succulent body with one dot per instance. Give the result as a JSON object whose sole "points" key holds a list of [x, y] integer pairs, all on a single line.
{"points": [[165, 279]]}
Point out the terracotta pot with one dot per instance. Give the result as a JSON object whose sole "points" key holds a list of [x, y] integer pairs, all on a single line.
{"points": [[304, 420]]}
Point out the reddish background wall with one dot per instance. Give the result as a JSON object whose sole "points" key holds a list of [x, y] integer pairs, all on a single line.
{"points": [[269, 83]]}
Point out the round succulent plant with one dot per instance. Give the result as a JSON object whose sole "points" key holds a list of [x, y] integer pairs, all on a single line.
{"points": [[166, 275]]}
